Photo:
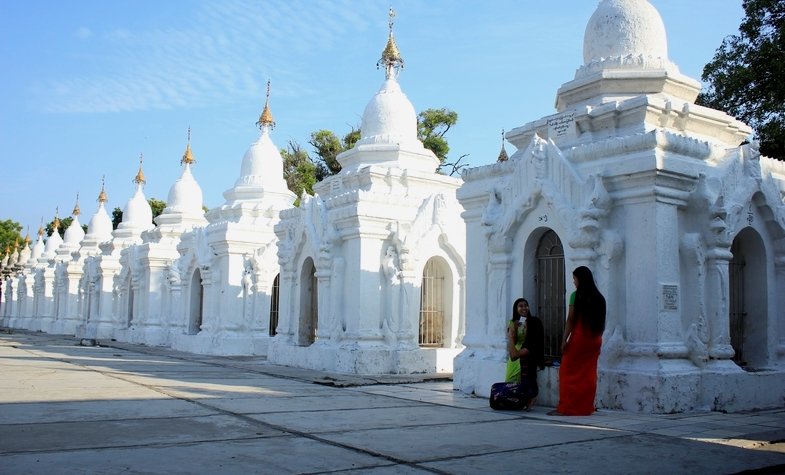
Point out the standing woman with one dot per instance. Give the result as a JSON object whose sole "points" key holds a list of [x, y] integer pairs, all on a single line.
{"points": [[581, 347]]}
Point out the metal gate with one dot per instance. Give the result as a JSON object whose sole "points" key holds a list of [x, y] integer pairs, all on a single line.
{"points": [[550, 291], [274, 305], [432, 306], [737, 315]]}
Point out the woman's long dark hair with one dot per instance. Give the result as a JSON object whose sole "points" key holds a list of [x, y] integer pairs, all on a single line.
{"points": [[589, 302], [515, 308]]}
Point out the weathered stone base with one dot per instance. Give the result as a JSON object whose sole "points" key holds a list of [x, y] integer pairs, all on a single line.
{"points": [[222, 343], [674, 386], [359, 358], [476, 370]]}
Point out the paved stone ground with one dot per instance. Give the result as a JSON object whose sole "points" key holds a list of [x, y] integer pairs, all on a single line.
{"points": [[119, 408]]}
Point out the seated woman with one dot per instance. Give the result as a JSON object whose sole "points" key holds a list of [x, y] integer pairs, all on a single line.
{"points": [[519, 309], [530, 354]]}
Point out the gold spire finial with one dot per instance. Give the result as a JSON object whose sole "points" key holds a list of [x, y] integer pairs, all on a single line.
{"points": [[76, 211], [27, 236], [188, 157], [139, 178], [102, 198], [56, 222], [266, 119], [16, 244], [41, 228], [503, 157], [391, 56]]}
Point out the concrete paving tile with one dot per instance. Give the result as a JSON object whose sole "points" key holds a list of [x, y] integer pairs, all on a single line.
{"points": [[275, 455], [617, 455], [126, 432], [319, 422], [95, 410], [308, 404], [415, 444]]}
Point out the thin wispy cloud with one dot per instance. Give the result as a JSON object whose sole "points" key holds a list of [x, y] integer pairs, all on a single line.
{"points": [[221, 53]]}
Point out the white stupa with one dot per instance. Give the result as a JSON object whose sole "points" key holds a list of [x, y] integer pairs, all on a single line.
{"points": [[226, 273], [137, 214], [73, 235], [53, 243], [389, 125], [99, 229]]}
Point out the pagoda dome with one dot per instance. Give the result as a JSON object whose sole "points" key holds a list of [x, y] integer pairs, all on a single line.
{"points": [[262, 164], [185, 196], [100, 224], [74, 234], [621, 29], [137, 213], [389, 118]]}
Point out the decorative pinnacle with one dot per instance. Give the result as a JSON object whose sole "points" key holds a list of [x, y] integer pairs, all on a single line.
{"points": [[27, 236], [188, 157], [391, 56], [139, 178], [102, 198], [76, 211], [266, 119], [503, 157], [56, 222], [41, 228]]}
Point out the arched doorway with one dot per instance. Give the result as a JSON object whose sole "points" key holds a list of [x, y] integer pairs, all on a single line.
{"points": [[550, 291], [435, 313], [195, 303], [309, 308], [274, 305], [748, 309]]}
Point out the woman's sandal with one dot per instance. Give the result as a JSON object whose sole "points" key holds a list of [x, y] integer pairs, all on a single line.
{"points": [[554, 413]]}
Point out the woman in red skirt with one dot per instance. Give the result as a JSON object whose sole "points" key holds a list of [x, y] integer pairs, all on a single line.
{"points": [[581, 347]]}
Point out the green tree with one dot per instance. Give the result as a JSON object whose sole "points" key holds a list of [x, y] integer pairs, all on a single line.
{"points": [[299, 171], [328, 146], [432, 126], [9, 234], [745, 77], [155, 204]]}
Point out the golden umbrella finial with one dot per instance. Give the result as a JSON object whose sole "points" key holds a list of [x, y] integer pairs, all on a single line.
{"points": [[139, 178], [41, 228], [56, 222], [188, 157], [266, 119], [391, 57], [503, 157], [27, 236], [76, 211], [102, 198]]}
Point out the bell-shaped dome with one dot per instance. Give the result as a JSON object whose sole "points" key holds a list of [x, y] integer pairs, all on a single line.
{"points": [[100, 226], [262, 163], [137, 213], [389, 117], [38, 247], [74, 234], [185, 196], [622, 28], [52, 244]]}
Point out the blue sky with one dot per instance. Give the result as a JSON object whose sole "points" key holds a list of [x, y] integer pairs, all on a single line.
{"points": [[88, 85]]}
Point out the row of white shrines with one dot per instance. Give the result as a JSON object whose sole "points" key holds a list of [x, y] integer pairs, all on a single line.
{"points": [[393, 268]]}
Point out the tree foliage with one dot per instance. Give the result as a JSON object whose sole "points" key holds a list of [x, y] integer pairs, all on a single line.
{"points": [[432, 126], [299, 171], [745, 77], [155, 204], [9, 234]]}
